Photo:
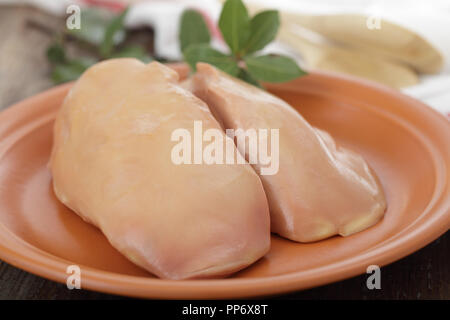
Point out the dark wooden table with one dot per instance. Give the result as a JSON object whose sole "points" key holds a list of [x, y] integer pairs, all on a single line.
{"points": [[24, 71]]}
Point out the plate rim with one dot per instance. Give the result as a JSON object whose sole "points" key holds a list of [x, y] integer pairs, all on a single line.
{"points": [[410, 239]]}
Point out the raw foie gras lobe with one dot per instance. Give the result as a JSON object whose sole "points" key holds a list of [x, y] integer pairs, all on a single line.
{"points": [[111, 163], [320, 189]]}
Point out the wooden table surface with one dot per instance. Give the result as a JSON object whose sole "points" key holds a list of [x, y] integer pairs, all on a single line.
{"points": [[24, 71]]}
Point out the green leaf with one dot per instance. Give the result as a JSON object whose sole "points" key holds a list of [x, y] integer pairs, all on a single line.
{"points": [[234, 23], [204, 53], [273, 68], [263, 30], [193, 29], [56, 53], [114, 34], [247, 77], [137, 52], [71, 70], [93, 22]]}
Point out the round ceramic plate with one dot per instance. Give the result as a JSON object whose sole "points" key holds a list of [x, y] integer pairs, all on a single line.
{"points": [[405, 142]]}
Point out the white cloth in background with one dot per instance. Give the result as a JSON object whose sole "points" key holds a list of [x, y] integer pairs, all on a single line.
{"points": [[430, 19]]}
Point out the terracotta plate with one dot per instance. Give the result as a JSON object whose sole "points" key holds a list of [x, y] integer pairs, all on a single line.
{"points": [[406, 143]]}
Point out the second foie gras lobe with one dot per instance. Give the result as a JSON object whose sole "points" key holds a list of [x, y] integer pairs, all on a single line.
{"points": [[320, 189], [111, 163]]}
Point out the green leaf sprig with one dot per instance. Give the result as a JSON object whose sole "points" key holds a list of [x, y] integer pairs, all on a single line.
{"points": [[244, 36], [103, 34]]}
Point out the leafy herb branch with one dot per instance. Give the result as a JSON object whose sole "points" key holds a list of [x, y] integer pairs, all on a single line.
{"points": [[244, 36], [102, 34]]}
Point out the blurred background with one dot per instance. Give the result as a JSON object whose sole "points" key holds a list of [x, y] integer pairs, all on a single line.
{"points": [[404, 44]]}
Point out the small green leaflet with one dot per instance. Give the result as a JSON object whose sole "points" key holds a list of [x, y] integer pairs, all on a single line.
{"points": [[56, 53], [264, 28], [273, 68], [204, 53], [70, 70], [114, 33], [247, 77], [193, 29], [137, 52], [234, 23]]}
